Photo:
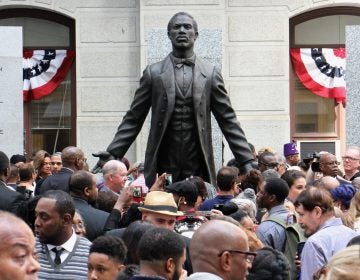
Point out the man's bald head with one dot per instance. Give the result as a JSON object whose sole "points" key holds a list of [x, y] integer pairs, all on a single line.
{"points": [[73, 157], [112, 166], [327, 182], [210, 250], [10, 225], [17, 240]]}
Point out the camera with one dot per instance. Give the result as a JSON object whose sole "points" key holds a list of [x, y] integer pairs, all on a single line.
{"points": [[314, 155], [312, 159], [315, 165]]}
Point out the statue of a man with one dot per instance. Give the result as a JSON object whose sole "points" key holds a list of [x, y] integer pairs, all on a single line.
{"points": [[182, 90]]}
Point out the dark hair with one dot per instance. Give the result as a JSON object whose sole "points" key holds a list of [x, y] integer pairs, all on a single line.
{"points": [[17, 158], [290, 176], [128, 272], [239, 215], [27, 211], [226, 177], [170, 24], [80, 180], [200, 185], [64, 203], [277, 187], [160, 244], [132, 236], [312, 197], [106, 201], [269, 264], [14, 171], [4, 163], [26, 171], [229, 208], [112, 246], [252, 180], [263, 155]]}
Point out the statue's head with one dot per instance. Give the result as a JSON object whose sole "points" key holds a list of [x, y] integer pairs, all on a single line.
{"points": [[182, 31]]}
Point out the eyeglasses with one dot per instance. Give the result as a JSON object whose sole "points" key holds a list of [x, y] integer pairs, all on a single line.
{"points": [[350, 158], [249, 256], [332, 163], [56, 163], [78, 226]]}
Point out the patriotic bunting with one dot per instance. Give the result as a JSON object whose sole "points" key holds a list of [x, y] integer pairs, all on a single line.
{"points": [[322, 71], [43, 71]]}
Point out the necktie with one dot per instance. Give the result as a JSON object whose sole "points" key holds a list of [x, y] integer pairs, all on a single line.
{"points": [[58, 252]]}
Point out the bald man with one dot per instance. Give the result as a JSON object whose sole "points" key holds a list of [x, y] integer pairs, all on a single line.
{"points": [[327, 182], [220, 250], [17, 249]]}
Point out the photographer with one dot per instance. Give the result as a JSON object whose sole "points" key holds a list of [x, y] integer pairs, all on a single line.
{"points": [[328, 166]]}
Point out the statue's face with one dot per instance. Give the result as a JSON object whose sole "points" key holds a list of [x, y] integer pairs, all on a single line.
{"points": [[182, 34]]}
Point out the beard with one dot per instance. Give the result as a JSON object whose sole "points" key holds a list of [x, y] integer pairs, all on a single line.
{"points": [[176, 275]]}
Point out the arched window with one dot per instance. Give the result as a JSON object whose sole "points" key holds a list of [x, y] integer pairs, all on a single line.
{"points": [[313, 116], [49, 123]]}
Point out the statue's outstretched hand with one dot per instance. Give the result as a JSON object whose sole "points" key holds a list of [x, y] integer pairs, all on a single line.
{"points": [[103, 156]]}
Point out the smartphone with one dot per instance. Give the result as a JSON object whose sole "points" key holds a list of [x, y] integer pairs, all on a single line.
{"points": [[300, 247], [218, 207], [137, 192], [168, 179]]}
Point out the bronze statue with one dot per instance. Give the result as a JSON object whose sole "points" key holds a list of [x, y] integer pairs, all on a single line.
{"points": [[182, 90]]}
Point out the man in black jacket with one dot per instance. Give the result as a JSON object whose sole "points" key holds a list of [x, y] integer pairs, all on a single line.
{"points": [[83, 189], [10, 200]]}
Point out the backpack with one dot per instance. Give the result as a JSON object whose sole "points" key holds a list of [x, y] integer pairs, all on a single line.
{"points": [[294, 235]]}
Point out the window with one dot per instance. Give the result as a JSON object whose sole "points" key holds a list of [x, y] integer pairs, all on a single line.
{"points": [[314, 116], [50, 123]]}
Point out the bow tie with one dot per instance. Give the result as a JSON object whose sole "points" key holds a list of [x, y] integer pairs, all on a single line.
{"points": [[183, 61]]}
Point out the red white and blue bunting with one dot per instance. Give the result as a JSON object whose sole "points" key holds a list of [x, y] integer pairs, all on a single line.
{"points": [[43, 71], [322, 71]]}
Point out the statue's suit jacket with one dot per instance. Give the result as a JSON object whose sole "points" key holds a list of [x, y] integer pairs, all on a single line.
{"points": [[157, 90]]}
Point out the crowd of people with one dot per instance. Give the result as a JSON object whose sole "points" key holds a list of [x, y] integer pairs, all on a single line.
{"points": [[285, 219]]}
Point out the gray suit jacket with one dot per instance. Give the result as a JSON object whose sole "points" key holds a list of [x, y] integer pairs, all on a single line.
{"points": [[157, 90]]}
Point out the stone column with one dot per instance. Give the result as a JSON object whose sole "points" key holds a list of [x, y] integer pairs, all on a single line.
{"points": [[11, 97], [352, 85]]}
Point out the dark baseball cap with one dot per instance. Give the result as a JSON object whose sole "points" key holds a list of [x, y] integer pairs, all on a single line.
{"points": [[184, 188]]}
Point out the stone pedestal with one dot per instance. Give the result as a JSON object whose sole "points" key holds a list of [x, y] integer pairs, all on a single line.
{"points": [[11, 97]]}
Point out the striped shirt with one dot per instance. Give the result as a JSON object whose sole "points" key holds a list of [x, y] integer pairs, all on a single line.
{"points": [[73, 267]]}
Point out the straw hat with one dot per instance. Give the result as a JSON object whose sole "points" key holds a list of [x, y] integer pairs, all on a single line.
{"points": [[160, 202]]}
